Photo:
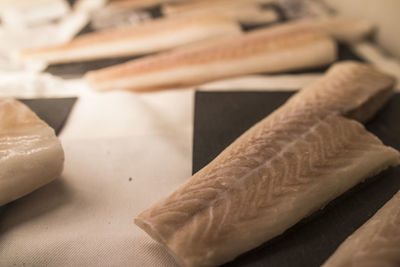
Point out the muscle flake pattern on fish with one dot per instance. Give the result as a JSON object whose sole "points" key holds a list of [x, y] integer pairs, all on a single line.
{"points": [[256, 194], [282, 169]]}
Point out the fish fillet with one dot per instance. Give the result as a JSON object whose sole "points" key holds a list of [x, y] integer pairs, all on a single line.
{"points": [[282, 169], [348, 88], [182, 7], [136, 40], [341, 28], [248, 13], [375, 244], [30, 153], [275, 49]]}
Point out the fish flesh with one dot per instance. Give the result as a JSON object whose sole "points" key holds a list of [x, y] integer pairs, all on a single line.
{"points": [[30, 153], [282, 169], [136, 40], [245, 12], [240, 201], [348, 88], [274, 49], [374, 244], [182, 7], [342, 28]]}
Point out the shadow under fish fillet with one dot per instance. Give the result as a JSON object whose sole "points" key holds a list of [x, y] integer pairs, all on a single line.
{"points": [[30, 153], [182, 7], [282, 169], [275, 49], [136, 40], [374, 244], [136, 4]]}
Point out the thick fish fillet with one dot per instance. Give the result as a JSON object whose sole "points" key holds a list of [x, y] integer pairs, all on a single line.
{"points": [[282, 169], [375, 244], [141, 39], [275, 49], [30, 153]]}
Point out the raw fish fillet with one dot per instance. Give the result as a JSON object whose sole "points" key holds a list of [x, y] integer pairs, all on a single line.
{"points": [[30, 153], [348, 88], [183, 7], [274, 49], [151, 37], [281, 170], [245, 12], [249, 12], [340, 28], [375, 244]]}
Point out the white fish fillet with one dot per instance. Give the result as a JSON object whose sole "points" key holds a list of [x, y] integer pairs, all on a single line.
{"points": [[374, 244], [246, 12], [30, 153], [275, 49], [150, 37], [341, 28], [182, 7], [282, 169]]}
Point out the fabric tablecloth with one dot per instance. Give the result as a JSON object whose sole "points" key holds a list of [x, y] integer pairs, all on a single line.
{"points": [[123, 152]]}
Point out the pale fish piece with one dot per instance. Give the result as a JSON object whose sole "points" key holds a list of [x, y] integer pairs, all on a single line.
{"points": [[251, 194], [348, 88], [30, 153], [245, 12], [271, 50], [250, 12], [374, 244], [158, 35], [281, 170]]}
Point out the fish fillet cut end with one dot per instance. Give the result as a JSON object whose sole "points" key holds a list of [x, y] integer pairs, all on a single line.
{"points": [[250, 197], [375, 243], [348, 88], [30, 153]]}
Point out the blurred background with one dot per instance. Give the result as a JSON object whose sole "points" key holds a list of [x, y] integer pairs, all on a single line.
{"points": [[26, 25]]}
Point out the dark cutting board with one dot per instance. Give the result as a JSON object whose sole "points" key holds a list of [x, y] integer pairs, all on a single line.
{"points": [[54, 111], [220, 117]]}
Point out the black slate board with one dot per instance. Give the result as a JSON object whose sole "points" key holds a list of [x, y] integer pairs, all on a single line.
{"points": [[54, 111], [80, 68], [220, 117]]}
